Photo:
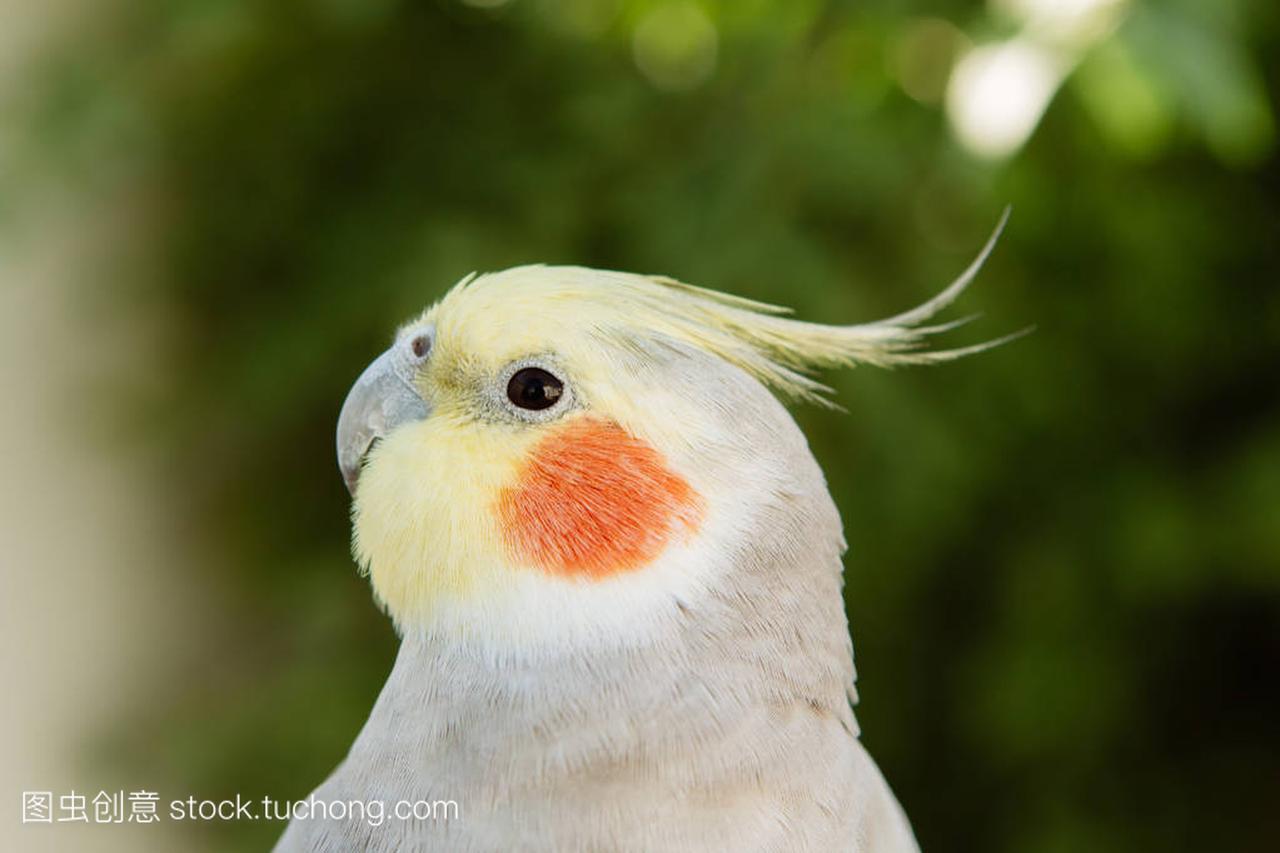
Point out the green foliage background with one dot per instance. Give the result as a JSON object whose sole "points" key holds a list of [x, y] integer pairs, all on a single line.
{"points": [[1064, 561]]}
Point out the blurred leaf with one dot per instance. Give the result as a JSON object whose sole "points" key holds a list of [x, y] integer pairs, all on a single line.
{"points": [[1213, 78]]}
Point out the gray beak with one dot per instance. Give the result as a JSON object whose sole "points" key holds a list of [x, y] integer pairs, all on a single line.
{"points": [[383, 398]]}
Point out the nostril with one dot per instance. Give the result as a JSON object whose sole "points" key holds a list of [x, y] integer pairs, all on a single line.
{"points": [[420, 345]]}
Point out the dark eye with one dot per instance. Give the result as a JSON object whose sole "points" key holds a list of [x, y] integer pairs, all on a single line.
{"points": [[534, 388]]}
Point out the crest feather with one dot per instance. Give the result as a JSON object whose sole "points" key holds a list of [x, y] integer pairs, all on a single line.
{"points": [[782, 352], [762, 339]]}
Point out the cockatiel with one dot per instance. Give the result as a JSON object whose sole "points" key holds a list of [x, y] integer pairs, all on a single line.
{"points": [[616, 570]]}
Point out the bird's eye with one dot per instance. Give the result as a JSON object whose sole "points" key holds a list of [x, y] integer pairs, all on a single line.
{"points": [[534, 388]]}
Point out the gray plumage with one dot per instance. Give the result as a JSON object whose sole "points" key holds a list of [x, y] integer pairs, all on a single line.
{"points": [[733, 730]]}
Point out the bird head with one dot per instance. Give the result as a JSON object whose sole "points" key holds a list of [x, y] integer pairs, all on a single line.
{"points": [[555, 455]]}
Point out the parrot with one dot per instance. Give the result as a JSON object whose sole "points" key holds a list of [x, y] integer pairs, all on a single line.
{"points": [[615, 569]]}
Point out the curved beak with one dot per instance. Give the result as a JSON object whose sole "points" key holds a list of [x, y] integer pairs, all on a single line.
{"points": [[383, 398]]}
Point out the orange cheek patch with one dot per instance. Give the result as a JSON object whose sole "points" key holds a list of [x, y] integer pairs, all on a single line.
{"points": [[592, 501]]}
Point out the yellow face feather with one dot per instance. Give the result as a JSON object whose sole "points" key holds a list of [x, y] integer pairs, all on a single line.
{"points": [[424, 528]]}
